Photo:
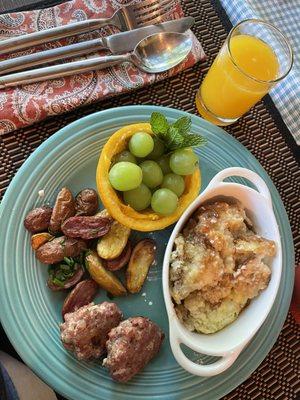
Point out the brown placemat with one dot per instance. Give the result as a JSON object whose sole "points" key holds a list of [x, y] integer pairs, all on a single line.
{"points": [[261, 131]]}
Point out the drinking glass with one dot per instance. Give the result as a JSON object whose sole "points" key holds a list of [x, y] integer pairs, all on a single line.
{"points": [[253, 59]]}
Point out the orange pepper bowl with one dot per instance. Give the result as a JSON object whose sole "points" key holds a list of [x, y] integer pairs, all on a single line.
{"points": [[146, 220]]}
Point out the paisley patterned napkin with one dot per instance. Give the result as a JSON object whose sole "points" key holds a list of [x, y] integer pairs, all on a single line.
{"points": [[28, 104]]}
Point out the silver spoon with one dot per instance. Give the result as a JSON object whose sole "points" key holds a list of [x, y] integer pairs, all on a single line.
{"points": [[155, 53]]}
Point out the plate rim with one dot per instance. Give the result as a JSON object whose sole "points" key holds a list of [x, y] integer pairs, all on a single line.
{"points": [[79, 125]]}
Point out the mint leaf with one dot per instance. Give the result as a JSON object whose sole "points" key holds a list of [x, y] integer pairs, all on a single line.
{"points": [[183, 125], [177, 135], [193, 140], [175, 139], [159, 123]]}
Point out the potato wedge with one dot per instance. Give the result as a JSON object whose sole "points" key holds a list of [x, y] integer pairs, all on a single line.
{"points": [[117, 263], [40, 238], [106, 279], [104, 213], [113, 243], [82, 294], [142, 257]]}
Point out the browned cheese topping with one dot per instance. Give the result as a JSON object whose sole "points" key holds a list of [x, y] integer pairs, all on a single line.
{"points": [[217, 266]]}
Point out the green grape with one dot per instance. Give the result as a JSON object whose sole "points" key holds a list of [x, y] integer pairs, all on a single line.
{"points": [[141, 144], [139, 198], [125, 176], [124, 156], [152, 173], [158, 149], [164, 163], [164, 201], [174, 182], [183, 161]]}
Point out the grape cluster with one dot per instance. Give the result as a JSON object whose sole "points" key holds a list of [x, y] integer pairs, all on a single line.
{"points": [[148, 177]]}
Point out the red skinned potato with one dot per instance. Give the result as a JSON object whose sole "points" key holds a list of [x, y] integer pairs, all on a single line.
{"points": [[117, 263], [63, 209], [38, 219], [54, 251], [82, 294], [86, 202], [72, 281], [86, 227]]}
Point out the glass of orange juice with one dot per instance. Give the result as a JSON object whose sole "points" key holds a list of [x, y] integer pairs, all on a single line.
{"points": [[254, 57]]}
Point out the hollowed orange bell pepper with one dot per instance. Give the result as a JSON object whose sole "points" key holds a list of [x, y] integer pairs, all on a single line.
{"points": [[146, 220]]}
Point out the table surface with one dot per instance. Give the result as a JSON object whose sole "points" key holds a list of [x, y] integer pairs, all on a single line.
{"points": [[278, 377]]}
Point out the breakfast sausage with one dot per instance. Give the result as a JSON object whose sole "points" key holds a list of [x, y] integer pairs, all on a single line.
{"points": [[85, 330], [130, 346]]}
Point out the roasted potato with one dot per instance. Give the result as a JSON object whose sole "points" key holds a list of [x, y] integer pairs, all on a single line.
{"points": [[64, 208], [38, 219], [113, 243], [117, 263], [86, 202], [85, 227], [54, 251], [104, 213], [39, 239], [142, 257], [82, 294], [106, 279], [59, 279]]}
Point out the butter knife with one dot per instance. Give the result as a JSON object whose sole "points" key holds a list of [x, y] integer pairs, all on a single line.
{"points": [[118, 43]]}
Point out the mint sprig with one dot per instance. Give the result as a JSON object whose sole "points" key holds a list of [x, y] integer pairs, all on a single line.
{"points": [[175, 136]]}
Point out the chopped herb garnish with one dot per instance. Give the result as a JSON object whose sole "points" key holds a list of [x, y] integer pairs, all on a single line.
{"points": [[69, 261], [66, 268], [175, 136], [60, 275], [57, 282], [63, 271]]}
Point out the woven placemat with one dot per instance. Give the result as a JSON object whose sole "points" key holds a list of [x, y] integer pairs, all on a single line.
{"points": [[261, 131]]}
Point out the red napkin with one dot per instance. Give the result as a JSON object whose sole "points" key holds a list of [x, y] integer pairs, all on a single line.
{"points": [[28, 104]]}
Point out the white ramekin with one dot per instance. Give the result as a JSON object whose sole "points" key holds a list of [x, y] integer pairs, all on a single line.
{"points": [[229, 342]]}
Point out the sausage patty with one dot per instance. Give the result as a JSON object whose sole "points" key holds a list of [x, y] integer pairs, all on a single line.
{"points": [[130, 346], [85, 330]]}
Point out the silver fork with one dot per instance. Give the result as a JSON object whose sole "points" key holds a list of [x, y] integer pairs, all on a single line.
{"points": [[145, 12]]}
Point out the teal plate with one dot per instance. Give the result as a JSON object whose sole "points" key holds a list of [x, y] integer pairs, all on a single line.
{"points": [[30, 312]]}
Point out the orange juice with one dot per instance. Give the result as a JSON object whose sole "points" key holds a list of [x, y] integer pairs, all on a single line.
{"points": [[236, 81]]}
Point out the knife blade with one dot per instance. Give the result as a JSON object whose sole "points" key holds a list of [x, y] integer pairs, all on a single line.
{"points": [[118, 43], [126, 41]]}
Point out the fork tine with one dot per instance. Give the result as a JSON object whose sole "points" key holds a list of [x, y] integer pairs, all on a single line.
{"points": [[152, 12], [151, 3], [147, 19], [158, 8], [152, 21], [146, 11]]}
